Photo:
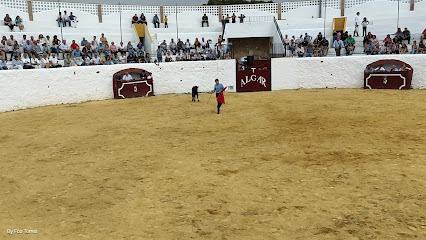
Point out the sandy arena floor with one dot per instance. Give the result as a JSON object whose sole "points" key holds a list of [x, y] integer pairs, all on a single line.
{"points": [[308, 164]]}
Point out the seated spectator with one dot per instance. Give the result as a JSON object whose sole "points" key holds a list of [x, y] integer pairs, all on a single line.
{"points": [[101, 49], [3, 64], [122, 49], [37, 48], [143, 19], [45, 48], [113, 48], [292, 47], [349, 45], [17, 63], [35, 62], [156, 21], [107, 50], [319, 36], [76, 55], [127, 77], [60, 20], [205, 20], [28, 48], [414, 48], [74, 45], [338, 45], [324, 46], [4, 49], [73, 20], [85, 61], [300, 50], [65, 48], [94, 47], [41, 39], [135, 19], [131, 58], [55, 44], [387, 40], [140, 49], [308, 37], [421, 48], [66, 19], [129, 47], [179, 57], [8, 22], [96, 43], [399, 34], [87, 50], [309, 50], [48, 41], [96, 60], [69, 62], [168, 57], [122, 59], [173, 47], [406, 35], [16, 51], [305, 42], [163, 46], [84, 42], [394, 69], [18, 22], [403, 49], [241, 17], [11, 41], [44, 62], [380, 68], [370, 48], [404, 68], [369, 68], [53, 61], [180, 45]]}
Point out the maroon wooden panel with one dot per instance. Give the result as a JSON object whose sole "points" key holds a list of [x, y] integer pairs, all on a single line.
{"points": [[388, 79], [135, 88], [254, 78]]}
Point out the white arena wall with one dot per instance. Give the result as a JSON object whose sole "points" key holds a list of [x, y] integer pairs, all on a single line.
{"points": [[39, 87]]}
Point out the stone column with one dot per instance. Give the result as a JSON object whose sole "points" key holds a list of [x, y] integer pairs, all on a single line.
{"points": [[280, 7], [30, 10], [100, 13], [412, 5], [220, 13], [342, 8], [162, 14]]}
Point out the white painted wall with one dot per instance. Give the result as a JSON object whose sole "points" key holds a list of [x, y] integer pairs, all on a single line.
{"points": [[336, 72], [39, 87]]}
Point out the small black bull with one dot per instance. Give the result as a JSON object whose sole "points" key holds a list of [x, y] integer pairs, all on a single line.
{"points": [[195, 93]]}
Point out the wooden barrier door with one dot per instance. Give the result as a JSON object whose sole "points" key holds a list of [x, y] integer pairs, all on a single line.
{"points": [[254, 76]]}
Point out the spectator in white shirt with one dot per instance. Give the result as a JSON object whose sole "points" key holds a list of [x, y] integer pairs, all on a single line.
{"points": [[127, 77], [66, 19], [122, 48], [357, 24], [23, 40], [27, 62], [44, 61], [3, 64], [96, 59], [53, 61], [122, 59], [35, 62], [203, 43]]}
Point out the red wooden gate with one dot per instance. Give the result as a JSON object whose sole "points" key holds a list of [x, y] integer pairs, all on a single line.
{"points": [[254, 78]]}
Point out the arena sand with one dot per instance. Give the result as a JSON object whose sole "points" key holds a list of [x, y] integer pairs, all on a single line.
{"points": [[307, 164]]}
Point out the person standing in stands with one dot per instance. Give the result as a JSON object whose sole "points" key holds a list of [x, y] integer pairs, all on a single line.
{"points": [[166, 25], [364, 27], [357, 23]]}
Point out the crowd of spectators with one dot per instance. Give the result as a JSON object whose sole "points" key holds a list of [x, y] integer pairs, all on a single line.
{"points": [[196, 51], [306, 46]]}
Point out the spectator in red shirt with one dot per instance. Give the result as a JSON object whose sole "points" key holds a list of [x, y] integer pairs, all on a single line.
{"points": [[74, 45], [135, 19], [387, 40], [424, 32]]}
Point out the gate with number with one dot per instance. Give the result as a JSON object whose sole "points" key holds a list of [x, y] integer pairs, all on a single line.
{"points": [[254, 77], [140, 86]]}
